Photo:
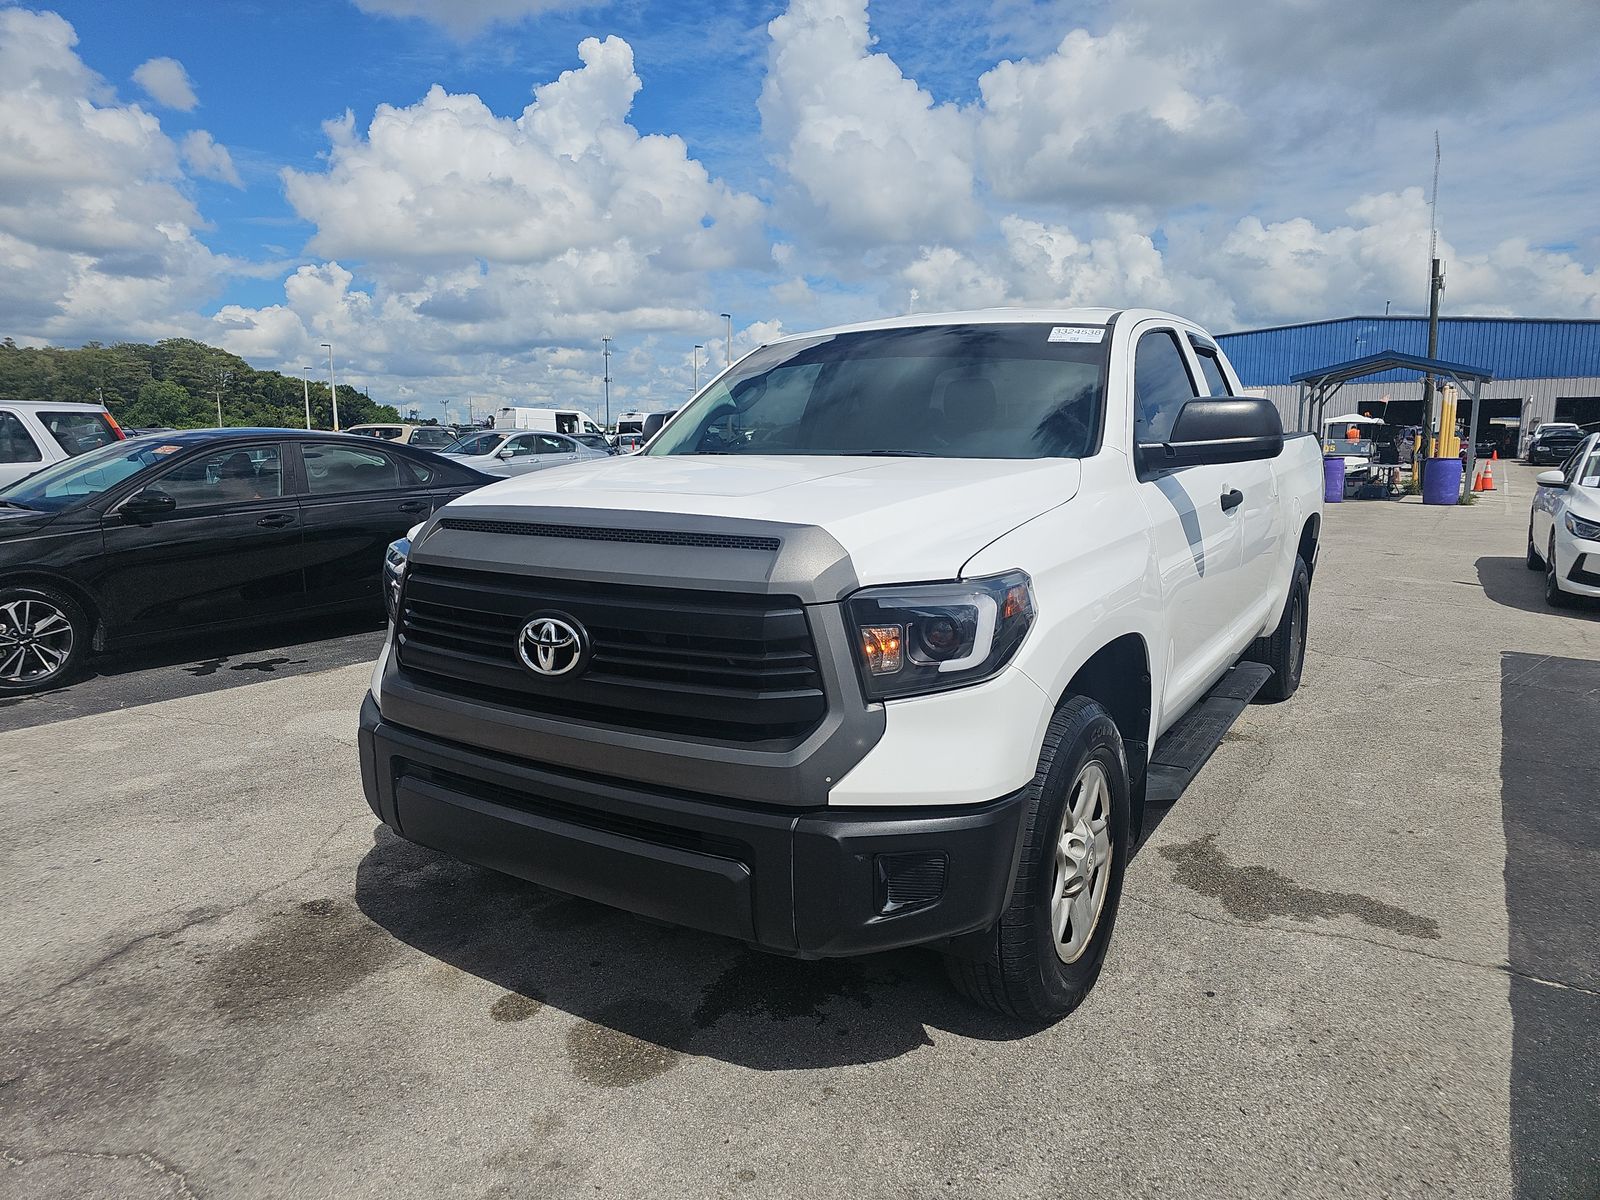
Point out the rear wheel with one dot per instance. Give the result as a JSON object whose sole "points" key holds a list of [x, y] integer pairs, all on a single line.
{"points": [[1284, 650], [1052, 938], [1553, 595], [43, 637]]}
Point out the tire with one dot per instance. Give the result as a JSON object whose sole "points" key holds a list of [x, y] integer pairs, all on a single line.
{"points": [[1535, 563], [32, 658], [1284, 650], [1553, 595], [1026, 975]]}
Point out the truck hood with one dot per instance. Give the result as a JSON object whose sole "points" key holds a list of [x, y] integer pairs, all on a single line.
{"points": [[900, 519]]}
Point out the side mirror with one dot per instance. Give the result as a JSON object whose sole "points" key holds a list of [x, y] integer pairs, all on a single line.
{"points": [[1551, 479], [504, 452], [1216, 430], [149, 504]]}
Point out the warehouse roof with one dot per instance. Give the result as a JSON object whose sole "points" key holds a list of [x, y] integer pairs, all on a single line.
{"points": [[1509, 347]]}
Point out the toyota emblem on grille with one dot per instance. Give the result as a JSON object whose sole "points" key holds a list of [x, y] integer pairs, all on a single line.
{"points": [[551, 646]]}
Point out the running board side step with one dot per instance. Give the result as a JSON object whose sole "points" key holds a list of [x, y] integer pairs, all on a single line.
{"points": [[1184, 749]]}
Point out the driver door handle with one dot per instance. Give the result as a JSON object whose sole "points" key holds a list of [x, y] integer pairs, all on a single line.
{"points": [[1231, 499], [413, 506], [276, 520]]}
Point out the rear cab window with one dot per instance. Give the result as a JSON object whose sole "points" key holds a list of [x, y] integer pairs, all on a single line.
{"points": [[78, 432], [1210, 368]]}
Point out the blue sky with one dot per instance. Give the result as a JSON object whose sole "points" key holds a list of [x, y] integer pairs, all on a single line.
{"points": [[800, 163]]}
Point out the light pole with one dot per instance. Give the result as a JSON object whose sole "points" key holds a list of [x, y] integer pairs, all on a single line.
{"points": [[222, 380], [333, 388], [728, 317], [305, 384], [606, 342], [697, 350]]}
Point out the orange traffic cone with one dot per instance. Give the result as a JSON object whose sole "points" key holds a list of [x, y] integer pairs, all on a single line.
{"points": [[1477, 482], [1488, 474]]}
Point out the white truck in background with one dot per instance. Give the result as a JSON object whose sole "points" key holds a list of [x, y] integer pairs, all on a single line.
{"points": [[547, 420], [887, 639]]}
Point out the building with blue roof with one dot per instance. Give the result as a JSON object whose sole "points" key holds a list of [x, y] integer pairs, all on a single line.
{"points": [[1544, 369]]}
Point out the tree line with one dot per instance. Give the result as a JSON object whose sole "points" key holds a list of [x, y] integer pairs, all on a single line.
{"points": [[174, 384]]}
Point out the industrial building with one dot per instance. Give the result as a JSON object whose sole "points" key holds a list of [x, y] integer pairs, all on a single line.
{"points": [[1544, 370]]}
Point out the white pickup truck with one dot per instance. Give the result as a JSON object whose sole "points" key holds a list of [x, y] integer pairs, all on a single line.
{"points": [[887, 639]]}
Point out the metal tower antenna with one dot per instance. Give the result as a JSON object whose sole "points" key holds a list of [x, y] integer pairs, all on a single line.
{"points": [[1433, 213]]}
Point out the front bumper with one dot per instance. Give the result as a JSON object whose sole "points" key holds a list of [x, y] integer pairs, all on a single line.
{"points": [[813, 883], [1578, 565]]}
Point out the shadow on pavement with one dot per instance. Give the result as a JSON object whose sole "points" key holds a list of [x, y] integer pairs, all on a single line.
{"points": [[661, 988], [1549, 711], [1508, 581]]}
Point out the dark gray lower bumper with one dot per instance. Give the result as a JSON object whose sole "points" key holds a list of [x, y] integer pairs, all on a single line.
{"points": [[810, 883]]}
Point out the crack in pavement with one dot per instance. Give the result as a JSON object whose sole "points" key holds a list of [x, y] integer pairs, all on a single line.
{"points": [[145, 1158], [1497, 968]]}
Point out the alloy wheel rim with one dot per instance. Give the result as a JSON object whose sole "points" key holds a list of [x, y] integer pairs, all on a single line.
{"points": [[1082, 863], [35, 640]]}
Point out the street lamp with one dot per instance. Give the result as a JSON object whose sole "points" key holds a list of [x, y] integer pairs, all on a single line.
{"points": [[606, 342], [305, 384], [333, 388], [697, 350], [222, 380], [728, 317]]}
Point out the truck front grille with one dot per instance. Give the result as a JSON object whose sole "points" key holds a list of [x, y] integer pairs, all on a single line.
{"points": [[727, 666]]}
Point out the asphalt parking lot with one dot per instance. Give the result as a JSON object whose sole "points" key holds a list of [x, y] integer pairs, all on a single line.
{"points": [[1357, 958]]}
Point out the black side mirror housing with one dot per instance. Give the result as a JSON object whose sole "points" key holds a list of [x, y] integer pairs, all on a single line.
{"points": [[1216, 429], [147, 505]]}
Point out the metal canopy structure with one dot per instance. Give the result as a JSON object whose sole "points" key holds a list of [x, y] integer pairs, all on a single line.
{"points": [[1319, 386]]}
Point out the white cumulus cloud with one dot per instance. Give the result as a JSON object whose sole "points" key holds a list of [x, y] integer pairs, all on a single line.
{"points": [[209, 159], [870, 157], [96, 238], [166, 82]]}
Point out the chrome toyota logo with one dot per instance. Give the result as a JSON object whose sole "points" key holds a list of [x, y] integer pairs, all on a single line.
{"points": [[551, 646]]}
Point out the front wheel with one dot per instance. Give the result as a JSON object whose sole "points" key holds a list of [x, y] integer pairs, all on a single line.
{"points": [[43, 637], [1284, 650], [1535, 563], [1052, 937], [1553, 595]]}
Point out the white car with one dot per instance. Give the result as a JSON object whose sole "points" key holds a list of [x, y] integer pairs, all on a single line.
{"points": [[34, 434], [1564, 527], [502, 452], [887, 639]]}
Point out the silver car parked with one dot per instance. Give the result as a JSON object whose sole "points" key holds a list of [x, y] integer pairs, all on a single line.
{"points": [[507, 452]]}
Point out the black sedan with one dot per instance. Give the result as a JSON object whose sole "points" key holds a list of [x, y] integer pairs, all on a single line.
{"points": [[171, 533]]}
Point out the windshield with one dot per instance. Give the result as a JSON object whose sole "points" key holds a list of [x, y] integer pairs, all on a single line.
{"points": [[478, 443], [943, 391], [75, 480]]}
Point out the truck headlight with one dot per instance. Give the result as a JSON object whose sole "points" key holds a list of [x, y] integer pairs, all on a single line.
{"points": [[930, 637], [394, 570], [1589, 531]]}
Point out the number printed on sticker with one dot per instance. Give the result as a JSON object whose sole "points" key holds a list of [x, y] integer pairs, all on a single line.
{"points": [[1077, 333]]}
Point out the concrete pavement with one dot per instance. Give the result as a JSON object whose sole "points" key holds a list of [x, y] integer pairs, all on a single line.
{"points": [[1350, 961]]}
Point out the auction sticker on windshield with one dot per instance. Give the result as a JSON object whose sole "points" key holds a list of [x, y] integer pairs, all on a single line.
{"points": [[1077, 333]]}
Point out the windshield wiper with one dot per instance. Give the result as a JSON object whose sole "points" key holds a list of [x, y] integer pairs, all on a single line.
{"points": [[14, 504], [895, 454]]}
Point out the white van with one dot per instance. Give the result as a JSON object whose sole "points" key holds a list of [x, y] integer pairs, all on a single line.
{"points": [[551, 420], [36, 433]]}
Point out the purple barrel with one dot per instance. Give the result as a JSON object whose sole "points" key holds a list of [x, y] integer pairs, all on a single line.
{"points": [[1441, 481], [1333, 480]]}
